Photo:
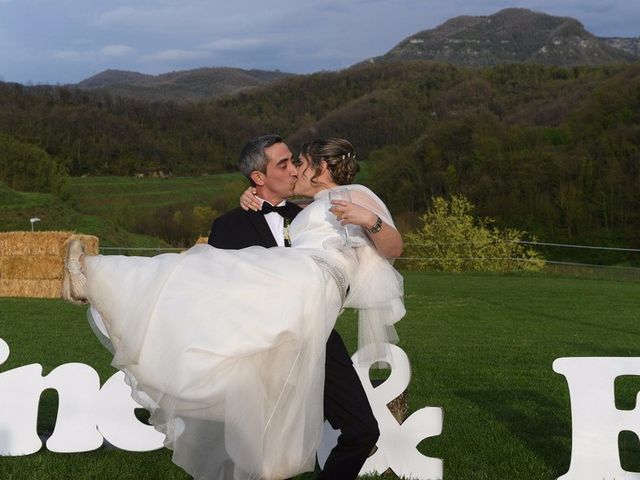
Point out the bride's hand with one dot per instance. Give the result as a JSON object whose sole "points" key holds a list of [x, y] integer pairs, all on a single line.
{"points": [[249, 201], [350, 213]]}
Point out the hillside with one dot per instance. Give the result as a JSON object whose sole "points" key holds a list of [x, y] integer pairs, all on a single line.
{"points": [[551, 150], [180, 86], [513, 35], [16, 208]]}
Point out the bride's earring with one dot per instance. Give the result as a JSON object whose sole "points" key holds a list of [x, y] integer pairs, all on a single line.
{"points": [[74, 280]]}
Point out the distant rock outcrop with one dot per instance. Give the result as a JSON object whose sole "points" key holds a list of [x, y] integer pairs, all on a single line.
{"points": [[513, 35], [631, 45]]}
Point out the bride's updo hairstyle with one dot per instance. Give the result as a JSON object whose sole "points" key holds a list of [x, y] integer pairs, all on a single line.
{"points": [[339, 155]]}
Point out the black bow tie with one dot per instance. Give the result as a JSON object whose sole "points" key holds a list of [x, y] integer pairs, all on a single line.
{"points": [[283, 211]]}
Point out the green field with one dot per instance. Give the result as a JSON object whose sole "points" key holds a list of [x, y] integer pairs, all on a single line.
{"points": [[481, 347], [16, 208], [110, 207], [99, 195]]}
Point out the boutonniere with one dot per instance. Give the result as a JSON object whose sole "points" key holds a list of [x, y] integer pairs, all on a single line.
{"points": [[287, 238]]}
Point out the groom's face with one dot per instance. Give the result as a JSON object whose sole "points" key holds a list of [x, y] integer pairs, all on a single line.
{"points": [[280, 176]]}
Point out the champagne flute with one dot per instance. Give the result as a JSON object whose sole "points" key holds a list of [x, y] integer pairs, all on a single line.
{"points": [[342, 194]]}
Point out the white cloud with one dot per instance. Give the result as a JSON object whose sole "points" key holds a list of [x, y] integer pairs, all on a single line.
{"points": [[72, 55], [165, 19], [226, 44], [75, 55], [176, 55], [81, 41], [234, 44], [118, 50], [201, 17], [121, 16]]}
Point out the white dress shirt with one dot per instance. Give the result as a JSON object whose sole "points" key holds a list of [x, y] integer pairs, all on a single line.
{"points": [[276, 224]]}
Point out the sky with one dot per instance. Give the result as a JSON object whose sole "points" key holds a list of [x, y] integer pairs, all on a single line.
{"points": [[66, 41]]}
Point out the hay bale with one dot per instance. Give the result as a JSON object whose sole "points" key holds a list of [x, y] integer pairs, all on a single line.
{"points": [[31, 263], [43, 243], [30, 288], [399, 406], [202, 240], [46, 267]]}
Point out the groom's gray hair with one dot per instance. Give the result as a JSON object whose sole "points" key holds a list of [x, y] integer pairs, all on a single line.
{"points": [[253, 158]]}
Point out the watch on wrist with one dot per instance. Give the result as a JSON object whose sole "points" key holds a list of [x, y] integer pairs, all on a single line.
{"points": [[376, 226]]}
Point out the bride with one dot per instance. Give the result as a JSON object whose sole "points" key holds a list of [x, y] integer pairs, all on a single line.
{"points": [[226, 348]]}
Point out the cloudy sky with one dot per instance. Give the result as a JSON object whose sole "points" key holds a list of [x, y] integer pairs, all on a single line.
{"points": [[65, 41]]}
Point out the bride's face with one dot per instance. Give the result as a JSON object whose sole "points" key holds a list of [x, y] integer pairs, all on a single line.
{"points": [[304, 186], [309, 182]]}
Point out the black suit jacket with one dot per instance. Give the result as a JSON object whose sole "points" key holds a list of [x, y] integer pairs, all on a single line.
{"points": [[241, 229]]}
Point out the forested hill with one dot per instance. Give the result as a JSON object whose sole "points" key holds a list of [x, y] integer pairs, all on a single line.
{"points": [[180, 86], [512, 35], [553, 150]]}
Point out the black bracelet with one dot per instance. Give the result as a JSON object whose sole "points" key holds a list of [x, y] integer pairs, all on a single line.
{"points": [[376, 226]]}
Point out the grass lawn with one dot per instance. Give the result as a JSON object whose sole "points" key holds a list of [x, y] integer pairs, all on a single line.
{"points": [[100, 195], [124, 199], [481, 347], [16, 208]]}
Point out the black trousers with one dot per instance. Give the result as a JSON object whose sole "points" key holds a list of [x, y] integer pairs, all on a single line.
{"points": [[347, 408]]}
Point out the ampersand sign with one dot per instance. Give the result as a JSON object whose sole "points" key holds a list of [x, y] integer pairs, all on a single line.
{"points": [[4, 351], [397, 445]]}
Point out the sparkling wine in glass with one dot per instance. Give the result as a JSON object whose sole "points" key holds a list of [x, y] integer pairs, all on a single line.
{"points": [[341, 194]]}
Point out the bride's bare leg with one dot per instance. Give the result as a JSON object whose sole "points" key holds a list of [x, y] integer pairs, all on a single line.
{"points": [[74, 279]]}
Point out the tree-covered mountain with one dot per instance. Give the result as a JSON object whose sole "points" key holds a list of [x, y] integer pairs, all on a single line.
{"points": [[512, 35], [552, 150], [180, 86]]}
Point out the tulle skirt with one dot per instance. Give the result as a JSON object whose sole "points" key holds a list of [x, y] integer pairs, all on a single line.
{"points": [[226, 349]]}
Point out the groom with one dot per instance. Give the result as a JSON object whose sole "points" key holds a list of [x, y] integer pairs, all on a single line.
{"points": [[267, 162]]}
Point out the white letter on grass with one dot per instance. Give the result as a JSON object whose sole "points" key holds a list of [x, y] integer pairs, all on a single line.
{"points": [[596, 421], [86, 412]]}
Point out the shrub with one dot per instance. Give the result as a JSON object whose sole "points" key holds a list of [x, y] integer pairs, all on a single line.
{"points": [[179, 225], [26, 167], [452, 239]]}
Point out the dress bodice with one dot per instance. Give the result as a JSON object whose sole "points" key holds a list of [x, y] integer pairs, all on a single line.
{"points": [[318, 230], [375, 286], [317, 227]]}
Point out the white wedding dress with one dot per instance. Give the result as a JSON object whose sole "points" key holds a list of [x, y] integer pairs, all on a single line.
{"points": [[226, 348]]}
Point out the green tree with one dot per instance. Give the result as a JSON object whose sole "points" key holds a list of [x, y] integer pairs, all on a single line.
{"points": [[452, 239], [26, 167]]}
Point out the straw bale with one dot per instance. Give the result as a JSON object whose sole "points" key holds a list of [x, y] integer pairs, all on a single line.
{"points": [[399, 407], [43, 243], [202, 240], [31, 263], [30, 288], [33, 267]]}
